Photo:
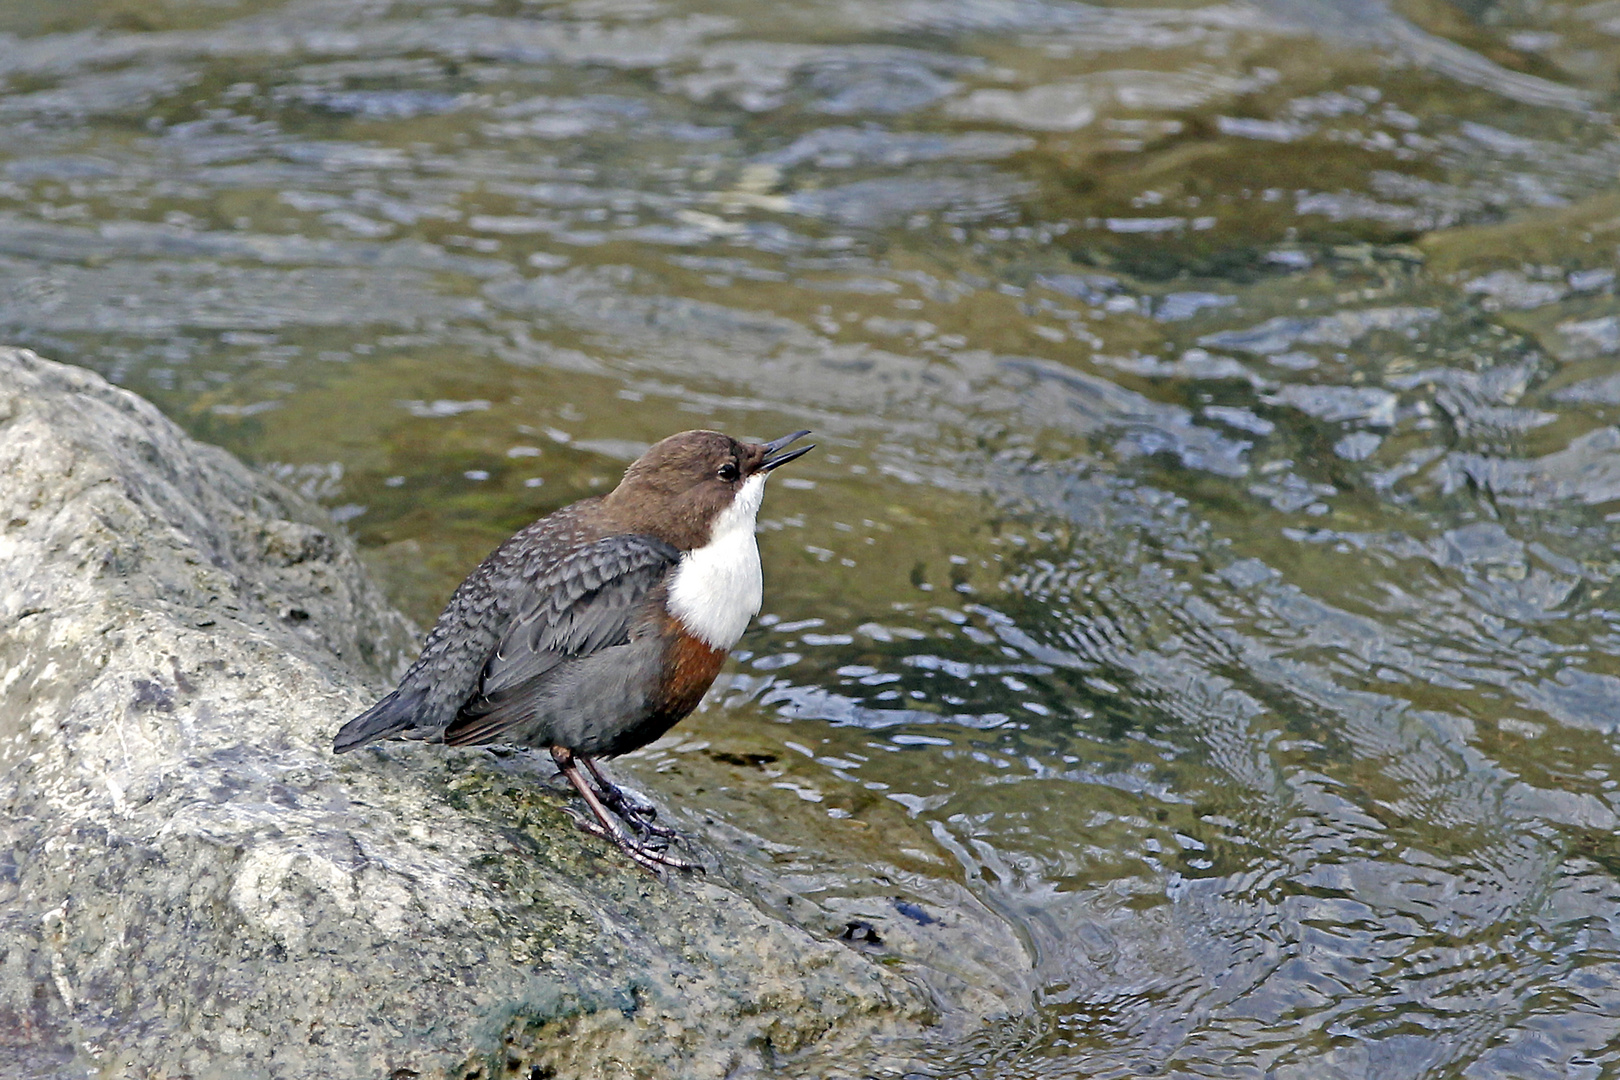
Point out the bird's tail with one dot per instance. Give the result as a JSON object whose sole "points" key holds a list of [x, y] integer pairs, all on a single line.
{"points": [[390, 716]]}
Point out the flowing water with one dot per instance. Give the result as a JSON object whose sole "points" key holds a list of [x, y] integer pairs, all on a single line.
{"points": [[1194, 642]]}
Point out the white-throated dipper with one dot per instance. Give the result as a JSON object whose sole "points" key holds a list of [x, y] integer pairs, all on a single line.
{"points": [[592, 631]]}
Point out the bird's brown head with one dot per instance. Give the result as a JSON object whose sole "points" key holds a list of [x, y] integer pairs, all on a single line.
{"points": [[680, 487]]}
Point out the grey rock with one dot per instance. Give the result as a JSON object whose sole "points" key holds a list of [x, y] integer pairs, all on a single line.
{"points": [[192, 885]]}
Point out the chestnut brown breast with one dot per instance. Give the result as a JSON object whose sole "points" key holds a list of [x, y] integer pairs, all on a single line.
{"points": [[690, 667], [687, 671]]}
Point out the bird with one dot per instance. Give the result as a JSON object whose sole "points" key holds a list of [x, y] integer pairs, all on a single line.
{"points": [[594, 630]]}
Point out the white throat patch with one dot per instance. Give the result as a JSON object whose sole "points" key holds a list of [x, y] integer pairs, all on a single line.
{"points": [[718, 587]]}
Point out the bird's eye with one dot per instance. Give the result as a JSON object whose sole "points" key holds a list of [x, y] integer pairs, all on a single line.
{"points": [[728, 472]]}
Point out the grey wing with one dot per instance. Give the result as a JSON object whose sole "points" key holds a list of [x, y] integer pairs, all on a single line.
{"points": [[587, 602]]}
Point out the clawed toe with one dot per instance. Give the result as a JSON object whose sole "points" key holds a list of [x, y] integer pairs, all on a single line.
{"points": [[651, 828], [585, 824], [650, 853], [634, 809], [655, 858]]}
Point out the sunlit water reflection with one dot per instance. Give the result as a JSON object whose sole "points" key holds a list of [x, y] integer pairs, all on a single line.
{"points": [[1192, 642]]}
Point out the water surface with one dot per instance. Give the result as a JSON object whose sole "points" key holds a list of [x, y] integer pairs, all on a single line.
{"points": [[1192, 641]]}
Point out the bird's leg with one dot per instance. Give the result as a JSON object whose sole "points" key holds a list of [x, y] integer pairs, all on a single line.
{"points": [[639, 817], [605, 826]]}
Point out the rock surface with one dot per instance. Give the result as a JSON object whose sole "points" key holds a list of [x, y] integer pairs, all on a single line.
{"points": [[191, 884]]}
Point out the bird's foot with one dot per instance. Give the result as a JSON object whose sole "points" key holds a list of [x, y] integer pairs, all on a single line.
{"points": [[631, 807], [649, 857], [640, 818], [647, 854]]}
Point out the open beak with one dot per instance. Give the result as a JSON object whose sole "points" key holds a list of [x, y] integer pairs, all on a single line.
{"points": [[774, 456]]}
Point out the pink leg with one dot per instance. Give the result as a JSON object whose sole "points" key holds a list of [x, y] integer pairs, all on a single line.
{"points": [[639, 818], [606, 827]]}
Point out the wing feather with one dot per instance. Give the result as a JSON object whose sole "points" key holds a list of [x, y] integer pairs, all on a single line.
{"points": [[587, 601]]}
